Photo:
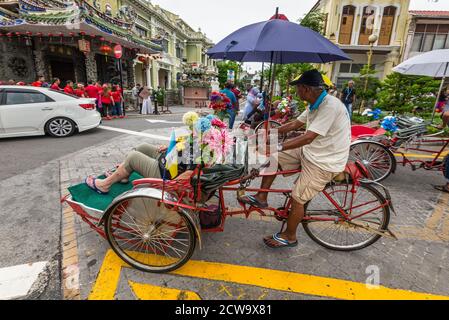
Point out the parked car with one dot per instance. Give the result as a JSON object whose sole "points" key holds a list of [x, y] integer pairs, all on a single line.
{"points": [[33, 111]]}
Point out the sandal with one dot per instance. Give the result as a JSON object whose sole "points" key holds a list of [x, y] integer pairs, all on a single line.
{"points": [[93, 186], [252, 201], [281, 243], [109, 173], [441, 188]]}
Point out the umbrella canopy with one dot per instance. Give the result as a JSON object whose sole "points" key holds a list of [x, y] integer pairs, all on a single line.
{"points": [[433, 64], [277, 41]]}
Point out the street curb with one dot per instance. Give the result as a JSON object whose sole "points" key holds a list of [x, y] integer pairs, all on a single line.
{"points": [[70, 268]]}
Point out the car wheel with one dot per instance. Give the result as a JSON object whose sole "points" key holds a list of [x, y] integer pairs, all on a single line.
{"points": [[60, 127]]}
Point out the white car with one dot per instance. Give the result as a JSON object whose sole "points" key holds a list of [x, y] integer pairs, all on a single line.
{"points": [[33, 111]]}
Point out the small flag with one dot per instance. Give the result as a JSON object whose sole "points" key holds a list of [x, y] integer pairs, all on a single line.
{"points": [[172, 157]]}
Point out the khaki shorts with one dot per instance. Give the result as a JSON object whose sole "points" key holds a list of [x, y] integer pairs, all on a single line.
{"points": [[312, 179]]}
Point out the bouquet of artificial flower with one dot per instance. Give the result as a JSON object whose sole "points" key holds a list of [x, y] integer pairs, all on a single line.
{"points": [[219, 102], [210, 134], [390, 125]]}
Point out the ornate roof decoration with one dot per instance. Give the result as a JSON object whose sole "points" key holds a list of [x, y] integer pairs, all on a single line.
{"points": [[57, 12]]}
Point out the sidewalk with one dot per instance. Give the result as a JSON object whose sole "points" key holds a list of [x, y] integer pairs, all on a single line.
{"points": [[175, 110]]}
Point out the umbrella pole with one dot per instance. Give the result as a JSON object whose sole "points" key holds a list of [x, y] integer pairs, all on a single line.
{"points": [[261, 77], [439, 92]]}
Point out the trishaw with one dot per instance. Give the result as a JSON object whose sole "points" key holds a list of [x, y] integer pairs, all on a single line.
{"points": [[156, 225], [377, 152]]}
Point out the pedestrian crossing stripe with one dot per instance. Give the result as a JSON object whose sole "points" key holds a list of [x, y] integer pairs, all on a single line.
{"points": [[108, 279]]}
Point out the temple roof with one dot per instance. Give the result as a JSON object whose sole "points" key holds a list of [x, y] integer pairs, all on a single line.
{"points": [[74, 16]]}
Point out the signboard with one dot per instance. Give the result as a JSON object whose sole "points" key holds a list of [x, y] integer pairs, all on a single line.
{"points": [[118, 51], [231, 75], [84, 45]]}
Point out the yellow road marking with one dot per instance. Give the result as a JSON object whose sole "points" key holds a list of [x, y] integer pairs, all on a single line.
{"points": [[109, 274], [417, 155], [108, 277], [150, 292]]}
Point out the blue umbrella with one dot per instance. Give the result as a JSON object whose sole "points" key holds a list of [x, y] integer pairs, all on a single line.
{"points": [[279, 42]]}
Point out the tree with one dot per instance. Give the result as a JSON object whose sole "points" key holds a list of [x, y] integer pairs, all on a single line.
{"points": [[372, 84], [403, 93], [314, 20], [223, 67]]}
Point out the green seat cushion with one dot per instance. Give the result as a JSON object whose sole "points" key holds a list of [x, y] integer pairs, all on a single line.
{"points": [[83, 194]]}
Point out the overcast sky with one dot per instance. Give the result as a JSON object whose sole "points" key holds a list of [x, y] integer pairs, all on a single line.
{"points": [[218, 18]]}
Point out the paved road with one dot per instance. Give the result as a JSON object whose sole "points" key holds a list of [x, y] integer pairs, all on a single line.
{"points": [[33, 168], [21, 154], [30, 196]]}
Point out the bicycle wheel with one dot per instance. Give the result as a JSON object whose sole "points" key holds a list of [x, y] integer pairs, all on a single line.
{"points": [[332, 230], [271, 125], [148, 236], [378, 159]]}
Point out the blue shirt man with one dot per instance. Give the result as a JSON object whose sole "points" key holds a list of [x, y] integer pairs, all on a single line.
{"points": [[234, 102]]}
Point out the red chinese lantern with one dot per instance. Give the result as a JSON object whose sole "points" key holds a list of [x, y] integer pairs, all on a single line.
{"points": [[72, 35], [142, 59], [105, 49], [40, 34], [29, 34], [61, 36], [50, 35]]}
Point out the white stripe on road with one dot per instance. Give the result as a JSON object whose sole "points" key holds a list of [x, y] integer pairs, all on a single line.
{"points": [[16, 282], [163, 121], [136, 133]]}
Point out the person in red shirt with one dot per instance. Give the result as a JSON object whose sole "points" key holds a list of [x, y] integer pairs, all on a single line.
{"points": [[80, 91], [106, 101], [91, 90], [69, 88], [55, 84], [39, 82], [118, 98]]}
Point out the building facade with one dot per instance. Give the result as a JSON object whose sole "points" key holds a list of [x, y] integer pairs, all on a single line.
{"points": [[74, 40], [181, 46], [350, 23], [428, 30]]}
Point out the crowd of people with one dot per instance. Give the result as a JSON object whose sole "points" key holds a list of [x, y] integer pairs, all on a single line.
{"points": [[108, 97]]}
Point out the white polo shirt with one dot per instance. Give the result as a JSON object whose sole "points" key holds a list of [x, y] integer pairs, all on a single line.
{"points": [[330, 150]]}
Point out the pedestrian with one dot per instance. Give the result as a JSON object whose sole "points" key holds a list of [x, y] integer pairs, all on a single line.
{"points": [[69, 87], [146, 101], [442, 99], [233, 106], [155, 99], [252, 102], [135, 96], [80, 91], [117, 106], [39, 81], [55, 84], [348, 97], [445, 113], [106, 101]]}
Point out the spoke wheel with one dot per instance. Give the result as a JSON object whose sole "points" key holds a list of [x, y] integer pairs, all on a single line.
{"points": [[271, 125], [332, 230], [149, 236], [375, 157], [60, 127]]}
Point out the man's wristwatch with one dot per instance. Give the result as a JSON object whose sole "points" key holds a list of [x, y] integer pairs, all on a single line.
{"points": [[280, 147]]}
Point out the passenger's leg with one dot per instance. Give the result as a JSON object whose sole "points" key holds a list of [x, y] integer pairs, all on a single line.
{"points": [[149, 150], [135, 162]]}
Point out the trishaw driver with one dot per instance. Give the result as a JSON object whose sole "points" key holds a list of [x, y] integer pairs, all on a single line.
{"points": [[322, 153]]}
